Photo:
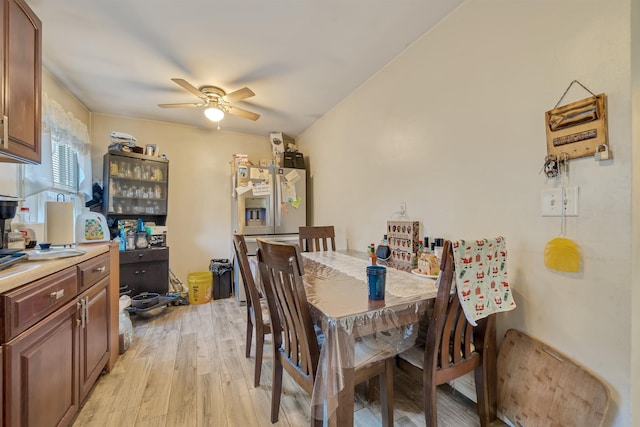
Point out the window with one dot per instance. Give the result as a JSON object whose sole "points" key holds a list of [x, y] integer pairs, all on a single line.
{"points": [[65, 166], [65, 171]]}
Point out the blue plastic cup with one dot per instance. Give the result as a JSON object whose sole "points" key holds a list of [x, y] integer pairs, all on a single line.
{"points": [[376, 279]]}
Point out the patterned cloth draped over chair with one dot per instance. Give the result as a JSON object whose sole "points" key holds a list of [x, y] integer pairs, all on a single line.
{"points": [[472, 287], [481, 277]]}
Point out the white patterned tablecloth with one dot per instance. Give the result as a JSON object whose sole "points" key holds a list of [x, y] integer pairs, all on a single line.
{"points": [[398, 283]]}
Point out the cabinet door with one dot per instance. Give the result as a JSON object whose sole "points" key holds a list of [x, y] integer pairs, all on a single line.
{"points": [[41, 372], [21, 83], [1, 385], [94, 334], [136, 186], [145, 277], [145, 270]]}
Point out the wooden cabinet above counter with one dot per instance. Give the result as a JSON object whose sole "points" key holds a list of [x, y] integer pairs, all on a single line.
{"points": [[20, 82]]}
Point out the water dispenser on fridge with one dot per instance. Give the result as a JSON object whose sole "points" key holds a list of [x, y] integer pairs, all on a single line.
{"points": [[255, 211]]}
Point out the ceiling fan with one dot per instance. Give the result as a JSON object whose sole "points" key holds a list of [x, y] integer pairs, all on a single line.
{"points": [[217, 101]]}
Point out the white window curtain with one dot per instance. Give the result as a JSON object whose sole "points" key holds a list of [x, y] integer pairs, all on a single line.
{"points": [[66, 162]]}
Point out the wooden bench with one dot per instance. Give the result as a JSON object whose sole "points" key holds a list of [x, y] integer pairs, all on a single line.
{"points": [[539, 386]]}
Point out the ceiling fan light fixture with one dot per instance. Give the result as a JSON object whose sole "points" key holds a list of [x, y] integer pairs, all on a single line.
{"points": [[214, 114]]}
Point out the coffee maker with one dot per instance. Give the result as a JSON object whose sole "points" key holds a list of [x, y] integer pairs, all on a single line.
{"points": [[8, 207]]}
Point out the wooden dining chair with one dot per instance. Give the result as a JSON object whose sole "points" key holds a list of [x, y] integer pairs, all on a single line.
{"points": [[257, 312], [296, 349], [453, 347], [315, 239]]}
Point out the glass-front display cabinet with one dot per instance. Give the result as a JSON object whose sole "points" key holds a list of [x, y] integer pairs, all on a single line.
{"points": [[135, 186]]}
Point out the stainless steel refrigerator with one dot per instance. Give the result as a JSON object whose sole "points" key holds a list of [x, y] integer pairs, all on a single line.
{"points": [[267, 202]]}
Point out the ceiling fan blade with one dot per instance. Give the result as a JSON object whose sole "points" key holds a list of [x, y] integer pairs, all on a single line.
{"points": [[187, 104], [239, 95], [190, 88], [244, 113]]}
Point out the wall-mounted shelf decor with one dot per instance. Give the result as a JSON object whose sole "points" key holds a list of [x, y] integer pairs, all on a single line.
{"points": [[577, 129]]}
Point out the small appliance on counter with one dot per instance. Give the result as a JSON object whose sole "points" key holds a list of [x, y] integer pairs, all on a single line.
{"points": [[91, 227], [8, 207]]}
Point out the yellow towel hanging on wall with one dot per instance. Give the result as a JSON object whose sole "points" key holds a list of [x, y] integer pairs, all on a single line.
{"points": [[562, 254]]}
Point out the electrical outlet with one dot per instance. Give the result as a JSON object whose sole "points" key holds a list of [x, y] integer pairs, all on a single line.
{"points": [[552, 203]]}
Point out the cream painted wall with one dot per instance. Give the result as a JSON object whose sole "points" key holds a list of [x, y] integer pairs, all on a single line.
{"points": [[199, 217], [635, 218], [454, 127], [57, 92]]}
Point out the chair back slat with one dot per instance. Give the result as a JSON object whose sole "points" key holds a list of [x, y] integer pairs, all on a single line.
{"points": [[459, 337], [318, 238], [281, 271]]}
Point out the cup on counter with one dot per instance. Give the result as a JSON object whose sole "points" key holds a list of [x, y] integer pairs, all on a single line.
{"points": [[376, 280]]}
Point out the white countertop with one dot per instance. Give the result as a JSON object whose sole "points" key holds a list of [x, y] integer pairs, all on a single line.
{"points": [[28, 271]]}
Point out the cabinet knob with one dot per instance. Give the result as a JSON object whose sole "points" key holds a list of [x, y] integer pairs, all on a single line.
{"points": [[101, 269], [140, 255]]}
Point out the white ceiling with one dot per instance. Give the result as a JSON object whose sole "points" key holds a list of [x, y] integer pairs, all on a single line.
{"points": [[300, 57]]}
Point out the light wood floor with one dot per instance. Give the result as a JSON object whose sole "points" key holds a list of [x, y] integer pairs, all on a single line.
{"points": [[186, 367]]}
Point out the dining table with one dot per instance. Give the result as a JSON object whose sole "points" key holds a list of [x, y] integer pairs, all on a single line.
{"points": [[336, 289]]}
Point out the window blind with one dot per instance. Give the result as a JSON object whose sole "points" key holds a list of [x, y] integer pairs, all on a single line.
{"points": [[65, 166]]}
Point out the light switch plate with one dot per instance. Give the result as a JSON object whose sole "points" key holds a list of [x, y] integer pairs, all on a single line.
{"points": [[551, 202]]}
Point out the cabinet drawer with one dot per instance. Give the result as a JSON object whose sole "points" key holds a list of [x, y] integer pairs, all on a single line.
{"points": [[145, 255], [26, 306], [91, 271]]}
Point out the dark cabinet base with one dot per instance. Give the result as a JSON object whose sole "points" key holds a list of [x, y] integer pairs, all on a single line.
{"points": [[144, 270]]}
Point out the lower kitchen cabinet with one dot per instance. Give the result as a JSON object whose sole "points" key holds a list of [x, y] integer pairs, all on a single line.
{"points": [[50, 366], [1, 382], [145, 270], [41, 376], [94, 335]]}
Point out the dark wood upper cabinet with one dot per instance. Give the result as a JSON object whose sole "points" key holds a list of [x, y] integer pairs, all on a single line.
{"points": [[20, 83]]}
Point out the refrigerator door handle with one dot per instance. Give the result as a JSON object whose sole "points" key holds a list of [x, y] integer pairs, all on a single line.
{"points": [[276, 208], [270, 210], [234, 194]]}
